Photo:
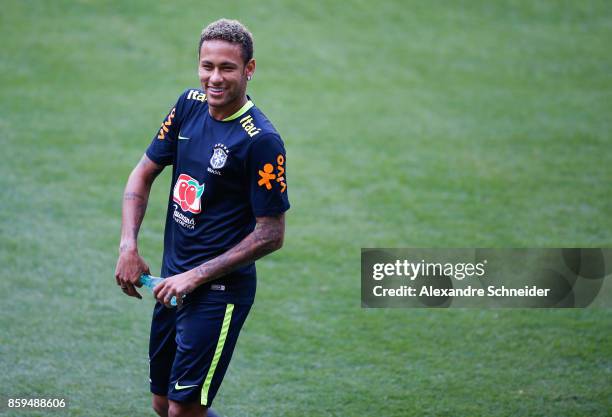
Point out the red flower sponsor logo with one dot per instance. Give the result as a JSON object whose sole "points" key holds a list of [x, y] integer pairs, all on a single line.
{"points": [[188, 193]]}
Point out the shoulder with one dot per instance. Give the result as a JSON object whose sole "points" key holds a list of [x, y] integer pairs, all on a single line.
{"points": [[259, 127], [268, 146], [268, 139]]}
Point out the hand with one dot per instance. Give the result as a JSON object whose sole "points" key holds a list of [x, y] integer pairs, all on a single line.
{"points": [[130, 266], [175, 286]]}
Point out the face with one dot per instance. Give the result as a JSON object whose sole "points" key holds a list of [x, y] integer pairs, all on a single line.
{"points": [[223, 74]]}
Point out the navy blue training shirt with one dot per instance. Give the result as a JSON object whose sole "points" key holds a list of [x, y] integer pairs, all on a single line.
{"points": [[225, 173]]}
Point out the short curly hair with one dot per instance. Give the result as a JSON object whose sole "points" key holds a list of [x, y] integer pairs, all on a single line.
{"points": [[231, 31]]}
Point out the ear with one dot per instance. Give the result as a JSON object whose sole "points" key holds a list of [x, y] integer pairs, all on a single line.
{"points": [[250, 68]]}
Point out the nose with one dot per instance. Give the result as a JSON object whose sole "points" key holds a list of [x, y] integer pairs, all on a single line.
{"points": [[215, 77]]}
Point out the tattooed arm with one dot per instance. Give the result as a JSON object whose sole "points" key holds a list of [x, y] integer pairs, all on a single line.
{"points": [[266, 238], [135, 197]]}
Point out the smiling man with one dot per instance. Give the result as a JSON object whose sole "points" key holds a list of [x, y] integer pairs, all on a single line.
{"points": [[225, 210]]}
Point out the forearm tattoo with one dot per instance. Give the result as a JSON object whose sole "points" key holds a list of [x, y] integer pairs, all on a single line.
{"points": [[138, 208], [130, 195], [136, 196], [264, 239]]}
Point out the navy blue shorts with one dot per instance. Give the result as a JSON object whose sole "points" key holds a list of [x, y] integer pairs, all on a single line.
{"points": [[190, 348]]}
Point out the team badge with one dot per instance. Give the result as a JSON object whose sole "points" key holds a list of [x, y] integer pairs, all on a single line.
{"points": [[188, 193], [219, 156]]}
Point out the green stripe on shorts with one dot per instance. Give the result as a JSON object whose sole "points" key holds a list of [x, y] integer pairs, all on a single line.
{"points": [[224, 329]]}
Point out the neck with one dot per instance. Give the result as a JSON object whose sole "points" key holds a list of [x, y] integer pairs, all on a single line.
{"points": [[220, 113]]}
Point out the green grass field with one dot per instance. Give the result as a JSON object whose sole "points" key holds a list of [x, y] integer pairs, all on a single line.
{"points": [[407, 124]]}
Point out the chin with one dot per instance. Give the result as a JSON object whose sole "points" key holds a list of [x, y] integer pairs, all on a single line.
{"points": [[214, 101]]}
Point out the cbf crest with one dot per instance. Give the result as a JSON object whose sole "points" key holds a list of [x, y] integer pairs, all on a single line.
{"points": [[219, 156]]}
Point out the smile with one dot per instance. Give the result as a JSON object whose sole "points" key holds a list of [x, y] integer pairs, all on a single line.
{"points": [[215, 90]]}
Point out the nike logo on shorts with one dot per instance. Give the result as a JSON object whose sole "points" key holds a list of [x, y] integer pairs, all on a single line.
{"points": [[180, 387]]}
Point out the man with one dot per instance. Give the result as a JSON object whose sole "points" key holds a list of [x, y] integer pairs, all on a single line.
{"points": [[225, 210]]}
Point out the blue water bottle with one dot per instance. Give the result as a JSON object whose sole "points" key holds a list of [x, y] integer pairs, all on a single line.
{"points": [[151, 282]]}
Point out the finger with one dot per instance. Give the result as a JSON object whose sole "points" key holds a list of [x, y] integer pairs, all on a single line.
{"points": [[135, 280], [125, 281], [159, 288], [145, 270], [136, 293], [159, 292], [121, 282], [123, 288], [165, 299], [131, 291]]}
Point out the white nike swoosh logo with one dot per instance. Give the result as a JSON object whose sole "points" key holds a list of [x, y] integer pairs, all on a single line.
{"points": [[183, 137], [180, 387]]}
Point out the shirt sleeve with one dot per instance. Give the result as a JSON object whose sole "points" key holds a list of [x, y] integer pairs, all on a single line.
{"points": [[163, 146], [267, 171]]}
